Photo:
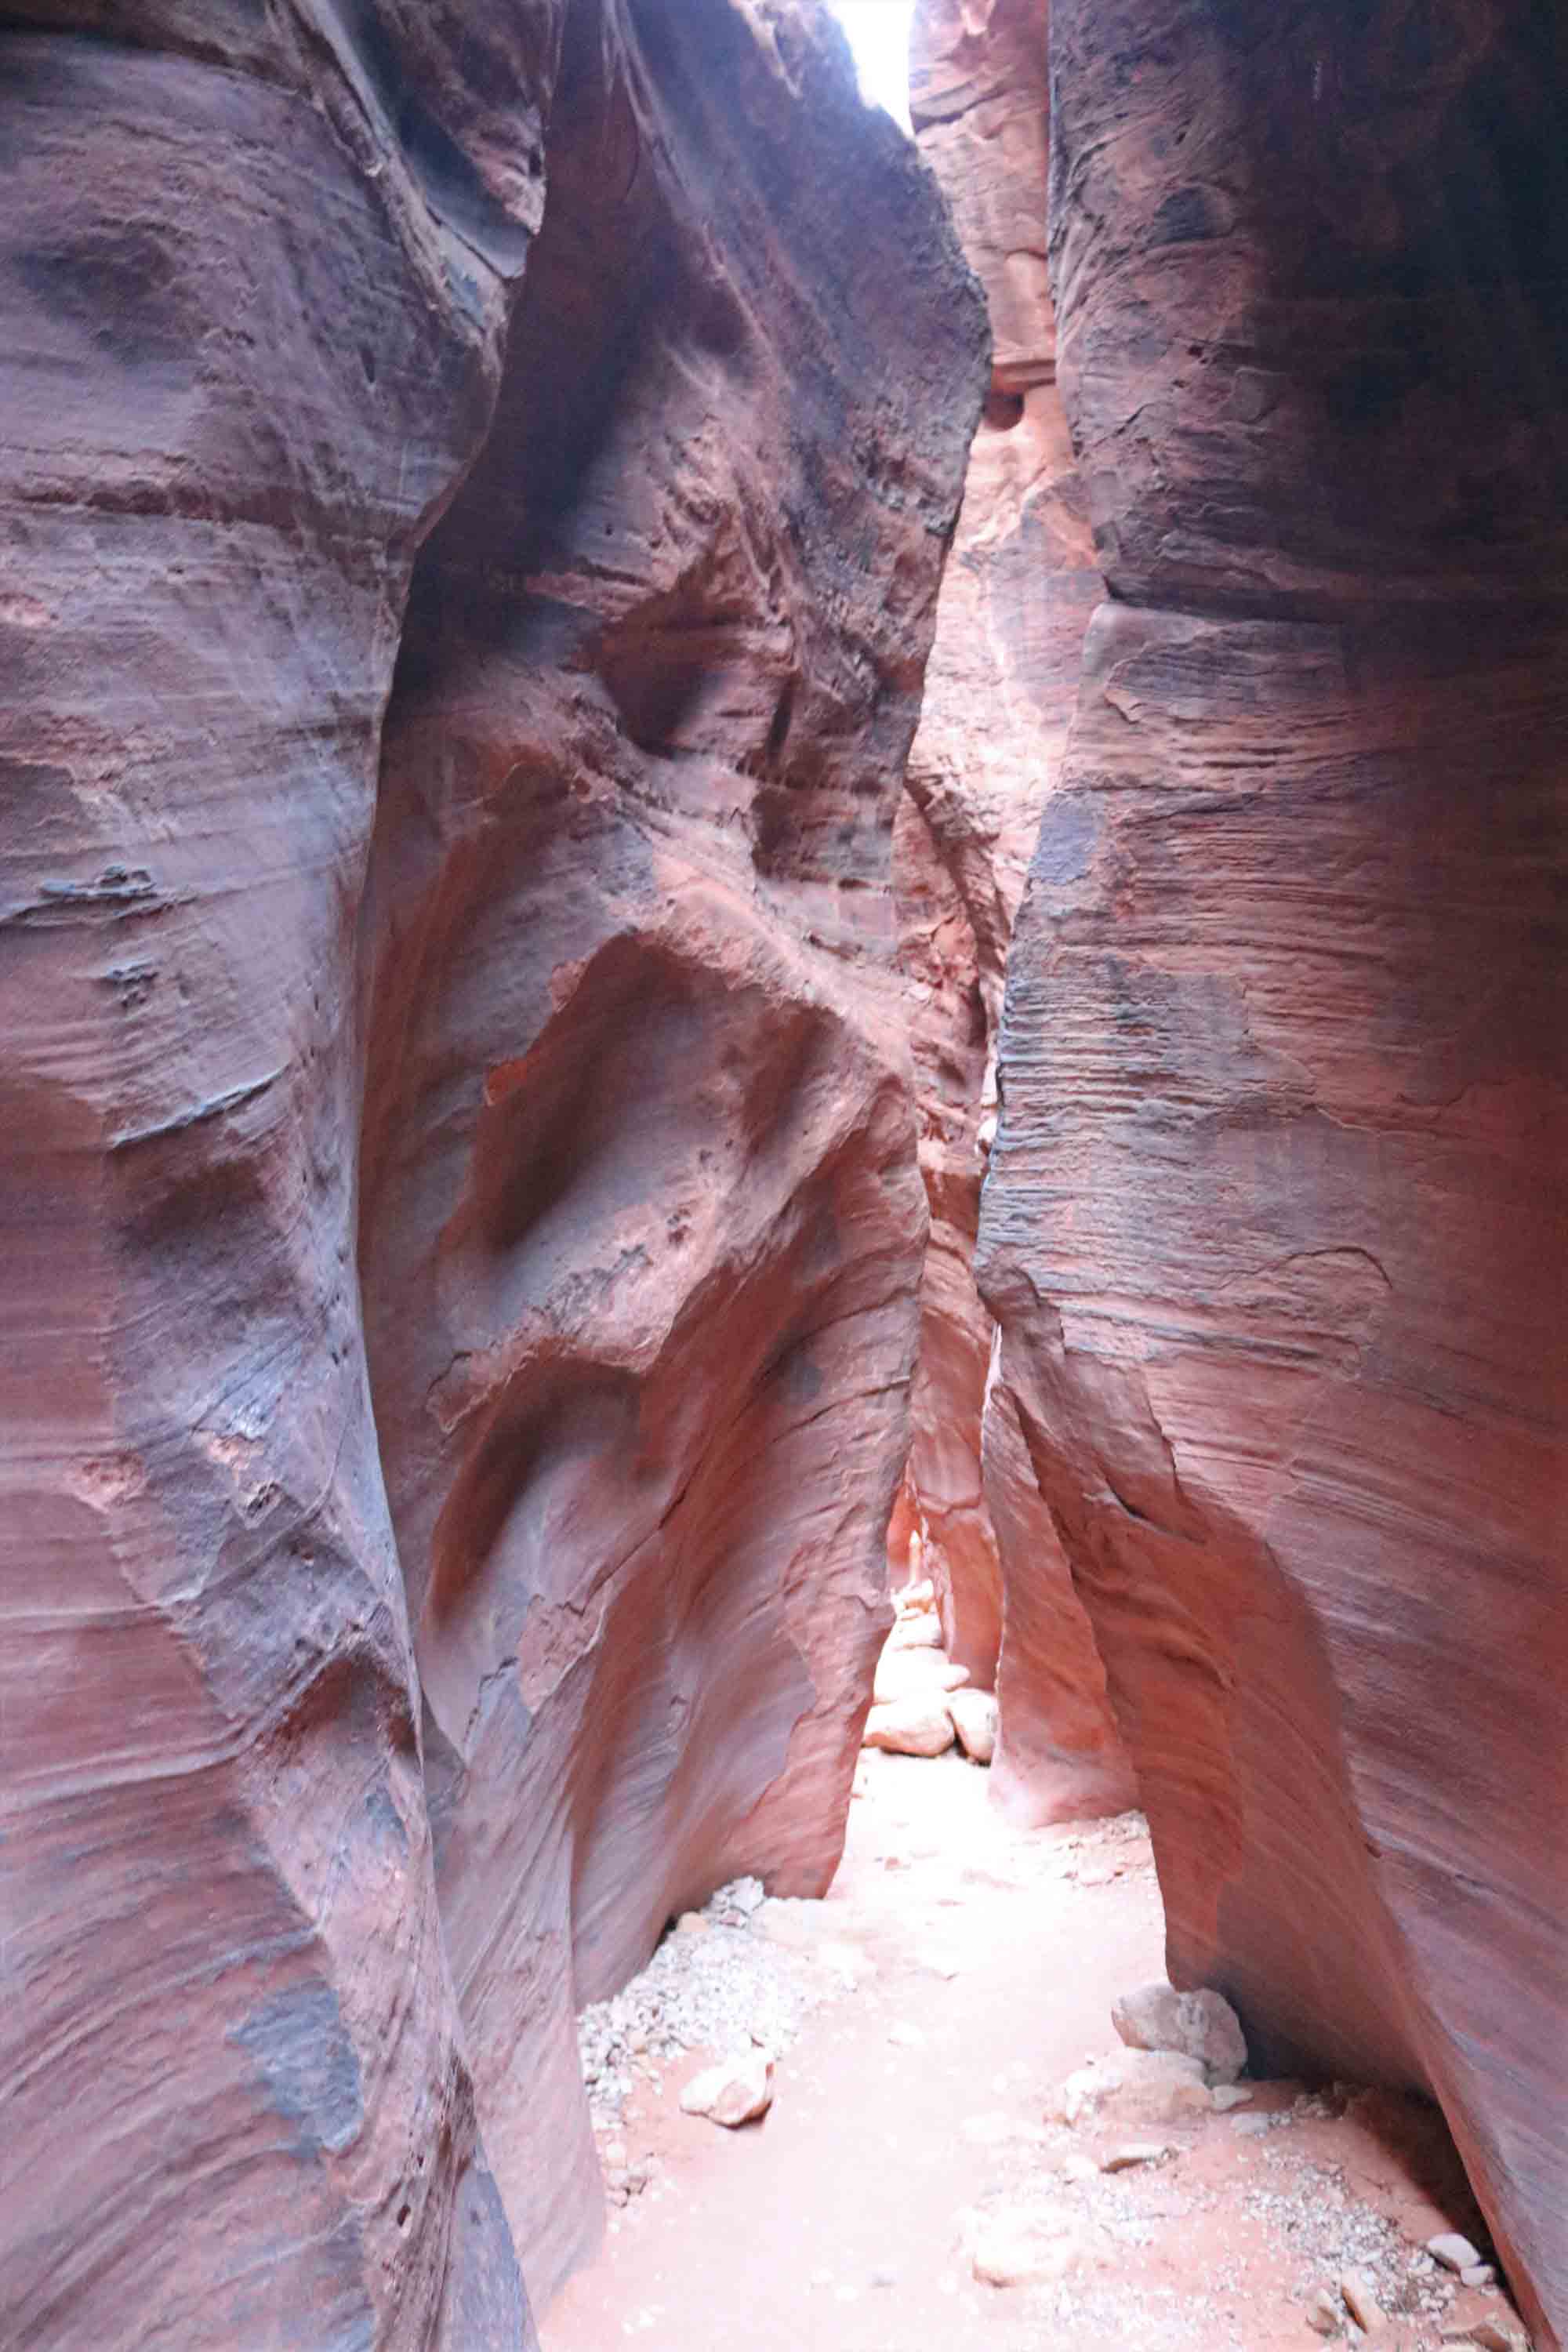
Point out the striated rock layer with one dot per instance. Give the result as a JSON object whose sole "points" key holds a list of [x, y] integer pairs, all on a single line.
{"points": [[640, 1220], [237, 2107], [1275, 1222], [641, 1225], [1014, 604]]}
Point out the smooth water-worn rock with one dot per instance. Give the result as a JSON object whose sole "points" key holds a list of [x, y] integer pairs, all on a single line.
{"points": [[1059, 1756], [1201, 2025], [919, 1725], [738, 2090], [999, 693], [641, 1224], [1021, 2245], [1133, 2090], [974, 1715], [253, 275], [640, 1218], [1276, 1219]]}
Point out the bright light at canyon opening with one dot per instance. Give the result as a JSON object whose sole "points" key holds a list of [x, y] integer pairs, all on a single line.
{"points": [[878, 33]]}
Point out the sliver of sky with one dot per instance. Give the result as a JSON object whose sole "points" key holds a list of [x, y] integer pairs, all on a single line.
{"points": [[878, 33]]}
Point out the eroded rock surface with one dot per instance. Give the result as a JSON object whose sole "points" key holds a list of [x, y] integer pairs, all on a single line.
{"points": [[1275, 1225], [641, 1224], [237, 2107], [641, 1219], [1000, 690], [1059, 1754]]}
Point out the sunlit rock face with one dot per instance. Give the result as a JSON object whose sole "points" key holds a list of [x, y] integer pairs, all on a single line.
{"points": [[999, 694], [641, 1221], [1275, 1222], [318, 1815]]}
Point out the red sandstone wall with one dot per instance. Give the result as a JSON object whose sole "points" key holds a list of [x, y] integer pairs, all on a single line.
{"points": [[641, 1225], [1002, 678], [1275, 1225], [228, 2044]]}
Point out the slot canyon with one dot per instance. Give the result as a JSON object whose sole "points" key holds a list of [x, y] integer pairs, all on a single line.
{"points": [[784, 1451]]}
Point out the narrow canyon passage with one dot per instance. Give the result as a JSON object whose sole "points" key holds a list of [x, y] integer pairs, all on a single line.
{"points": [[961, 2147], [966, 1973], [746, 839]]}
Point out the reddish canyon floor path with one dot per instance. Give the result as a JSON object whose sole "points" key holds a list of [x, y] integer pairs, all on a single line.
{"points": [[989, 1960]]}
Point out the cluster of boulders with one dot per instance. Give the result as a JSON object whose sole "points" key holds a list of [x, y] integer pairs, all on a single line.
{"points": [[1140, 2106], [736, 1979], [922, 1702], [737, 1975]]}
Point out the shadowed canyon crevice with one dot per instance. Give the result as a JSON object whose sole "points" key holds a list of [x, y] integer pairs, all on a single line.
{"points": [[549, 1130], [1016, 601]]}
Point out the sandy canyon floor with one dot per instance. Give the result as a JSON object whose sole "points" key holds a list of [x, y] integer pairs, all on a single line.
{"points": [[925, 2018]]}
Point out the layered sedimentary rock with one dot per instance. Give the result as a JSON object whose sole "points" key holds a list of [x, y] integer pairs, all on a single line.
{"points": [[641, 1224], [999, 693], [237, 2107], [1275, 1224], [1059, 1754], [641, 1219]]}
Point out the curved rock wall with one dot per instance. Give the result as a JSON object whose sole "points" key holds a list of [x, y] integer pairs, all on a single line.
{"points": [[228, 2045], [1016, 601], [641, 1226], [640, 1220], [1274, 1224]]}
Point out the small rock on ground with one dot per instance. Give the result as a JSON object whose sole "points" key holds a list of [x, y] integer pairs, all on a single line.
{"points": [[917, 1725], [973, 1717], [916, 1632], [735, 2091], [1325, 2312], [1360, 2301], [1135, 2088], [1455, 2253], [1136, 2152], [1201, 2025], [1009, 2247]]}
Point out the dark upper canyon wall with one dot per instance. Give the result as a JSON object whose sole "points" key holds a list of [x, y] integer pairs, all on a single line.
{"points": [[1274, 1224], [641, 1218], [1000, 689]]}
